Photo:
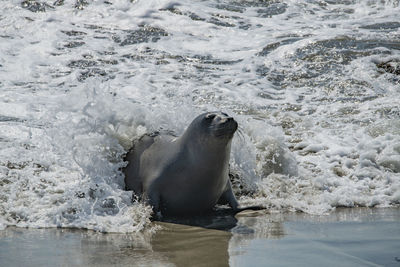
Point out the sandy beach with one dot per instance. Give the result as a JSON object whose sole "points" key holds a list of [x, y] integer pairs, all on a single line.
{"points": [[346, 237]]}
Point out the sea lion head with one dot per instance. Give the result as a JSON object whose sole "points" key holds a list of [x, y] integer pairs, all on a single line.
{"points": [[213, 127]]}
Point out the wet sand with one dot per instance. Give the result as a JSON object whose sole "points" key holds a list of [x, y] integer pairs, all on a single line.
{"points": [[346, 237]]}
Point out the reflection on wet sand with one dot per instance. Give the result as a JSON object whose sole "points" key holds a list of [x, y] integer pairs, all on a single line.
{"points": [[196, 241], [171, 245], [192, 246]]}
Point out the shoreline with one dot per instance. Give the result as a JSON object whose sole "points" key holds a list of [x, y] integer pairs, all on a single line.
{"points": [[351, 237]]}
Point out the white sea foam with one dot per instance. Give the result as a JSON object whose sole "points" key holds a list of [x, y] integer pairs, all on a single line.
{"points": [[318, 115]]}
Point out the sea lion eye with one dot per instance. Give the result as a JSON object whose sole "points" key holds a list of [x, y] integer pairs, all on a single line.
{"points": [[210, 117]]}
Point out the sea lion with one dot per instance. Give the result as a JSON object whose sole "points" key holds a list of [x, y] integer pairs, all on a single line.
{"points": [[186, 175]]}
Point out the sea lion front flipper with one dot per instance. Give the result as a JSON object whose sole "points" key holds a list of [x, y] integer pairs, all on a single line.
{"points": [[228, 197]]}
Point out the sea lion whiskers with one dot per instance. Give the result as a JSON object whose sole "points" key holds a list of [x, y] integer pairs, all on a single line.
{"points": [[240, 133]]}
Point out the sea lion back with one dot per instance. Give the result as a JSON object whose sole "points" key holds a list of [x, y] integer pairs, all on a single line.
{"points": [[133, 181]]}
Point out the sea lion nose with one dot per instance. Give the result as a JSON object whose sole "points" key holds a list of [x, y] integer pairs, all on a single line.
{"points": [[231, 120]]}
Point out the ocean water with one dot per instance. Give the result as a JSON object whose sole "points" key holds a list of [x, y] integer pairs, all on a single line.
{"points": [[314, 86]]}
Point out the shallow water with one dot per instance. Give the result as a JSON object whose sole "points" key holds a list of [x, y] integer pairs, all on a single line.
{"points": [[314, 86], [355, 237], [349, 237]]}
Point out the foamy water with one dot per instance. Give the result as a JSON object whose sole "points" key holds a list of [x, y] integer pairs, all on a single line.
{"points": [[314, 86]]}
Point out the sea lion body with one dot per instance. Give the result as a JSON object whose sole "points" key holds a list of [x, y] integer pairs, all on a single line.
{"points": [[186, 175]]}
